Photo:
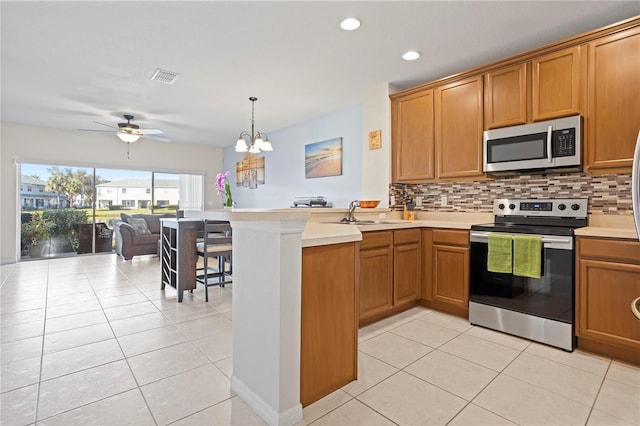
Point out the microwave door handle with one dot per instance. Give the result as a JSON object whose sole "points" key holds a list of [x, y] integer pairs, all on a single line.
{"points": [[549, 137]]}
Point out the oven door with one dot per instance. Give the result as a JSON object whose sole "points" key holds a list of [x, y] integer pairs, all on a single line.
{"points": [[551, 296]]}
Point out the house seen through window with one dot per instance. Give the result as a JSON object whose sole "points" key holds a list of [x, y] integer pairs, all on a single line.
{"points": [[68, 211]]}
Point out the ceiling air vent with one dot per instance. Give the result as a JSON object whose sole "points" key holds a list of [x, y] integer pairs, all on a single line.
{"points": [[164, 76]]}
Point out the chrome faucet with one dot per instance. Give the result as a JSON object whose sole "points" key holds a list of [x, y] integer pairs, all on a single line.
{"points": [[352, 209]]}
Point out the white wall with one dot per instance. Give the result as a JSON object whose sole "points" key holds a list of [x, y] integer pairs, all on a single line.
{"points": [[73, 148], [376, 163], [284, 166]]}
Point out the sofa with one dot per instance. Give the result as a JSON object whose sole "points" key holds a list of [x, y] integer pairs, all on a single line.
{"points": [[137, 234]]}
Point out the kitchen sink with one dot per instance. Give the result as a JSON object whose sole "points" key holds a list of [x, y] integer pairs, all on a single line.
{"points": [[359, 222], [372, 222]]}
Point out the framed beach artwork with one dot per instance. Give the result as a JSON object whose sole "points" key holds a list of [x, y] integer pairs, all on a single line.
{"points": [[250, 171], [323, 158]]}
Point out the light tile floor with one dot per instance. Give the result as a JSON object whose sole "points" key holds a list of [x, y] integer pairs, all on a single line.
{"points": [[93, 340]]}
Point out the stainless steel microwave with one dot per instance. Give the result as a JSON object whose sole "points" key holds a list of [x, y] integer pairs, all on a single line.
{"points": [[542, 146]]}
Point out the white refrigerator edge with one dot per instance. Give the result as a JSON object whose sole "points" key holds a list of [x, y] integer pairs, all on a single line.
{"points": [[635, 186]]}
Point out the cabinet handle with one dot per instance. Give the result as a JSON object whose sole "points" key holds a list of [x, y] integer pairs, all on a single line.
{"points": [[634, 307], [549, 146]]}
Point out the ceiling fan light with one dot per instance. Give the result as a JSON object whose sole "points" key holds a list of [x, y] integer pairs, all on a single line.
{"points": [[241, 145], [128, 137], [266, 146]]}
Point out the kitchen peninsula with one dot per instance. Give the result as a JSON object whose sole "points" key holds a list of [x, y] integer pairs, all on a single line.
{"points": [[293, 267], [277, 333], [295, 301]]}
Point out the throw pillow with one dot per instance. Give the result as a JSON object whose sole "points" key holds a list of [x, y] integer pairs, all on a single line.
{"points": [[139, 226]]}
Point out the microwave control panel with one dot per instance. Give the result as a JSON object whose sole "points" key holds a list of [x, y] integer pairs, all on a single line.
{"points": [[564, 142]]}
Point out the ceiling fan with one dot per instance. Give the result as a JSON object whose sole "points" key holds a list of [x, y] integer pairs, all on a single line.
{"points": [[129, 132]]}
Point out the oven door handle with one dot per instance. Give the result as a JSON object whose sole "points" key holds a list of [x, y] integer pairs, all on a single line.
{"points": [[564, 243]]}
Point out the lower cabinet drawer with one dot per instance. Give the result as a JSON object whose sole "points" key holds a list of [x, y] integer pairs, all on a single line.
{"points": [[456, 237]]}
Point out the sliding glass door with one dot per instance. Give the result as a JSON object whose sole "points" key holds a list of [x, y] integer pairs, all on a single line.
{"points": [[55, 201], [67, 211]]}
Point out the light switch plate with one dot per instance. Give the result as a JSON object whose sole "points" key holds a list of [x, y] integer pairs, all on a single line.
{"points": [[392, 200], [443, 200], [419, 201]]}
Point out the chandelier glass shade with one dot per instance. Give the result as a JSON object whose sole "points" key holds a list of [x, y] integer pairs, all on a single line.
{"points": [[255, 141]]}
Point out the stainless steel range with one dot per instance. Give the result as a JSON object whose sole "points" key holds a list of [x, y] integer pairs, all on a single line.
{"points": [[540, 309]]}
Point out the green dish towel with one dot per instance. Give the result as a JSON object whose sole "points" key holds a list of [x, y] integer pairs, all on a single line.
{"points": [[527, 254], [499, 258]]}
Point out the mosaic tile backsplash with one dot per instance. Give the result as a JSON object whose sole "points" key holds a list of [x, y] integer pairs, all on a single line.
{"points": [[607, 194]]}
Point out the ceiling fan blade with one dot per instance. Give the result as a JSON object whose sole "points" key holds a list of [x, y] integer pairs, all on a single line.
{"points": [[151, 131], [156, 138], [103, 124], [94, 130]]}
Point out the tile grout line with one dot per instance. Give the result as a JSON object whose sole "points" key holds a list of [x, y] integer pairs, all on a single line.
{"points": [[44, 330], [126, 360]]}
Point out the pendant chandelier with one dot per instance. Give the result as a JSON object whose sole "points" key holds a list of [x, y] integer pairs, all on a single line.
{"points": [[258, 141]]}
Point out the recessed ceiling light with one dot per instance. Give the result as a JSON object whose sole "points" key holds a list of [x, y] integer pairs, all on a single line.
{"points": [[411, 55], [350, 24]]}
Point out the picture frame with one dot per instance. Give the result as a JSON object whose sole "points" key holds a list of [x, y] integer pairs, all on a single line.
{"points": [[322, 159], [250, 171]]}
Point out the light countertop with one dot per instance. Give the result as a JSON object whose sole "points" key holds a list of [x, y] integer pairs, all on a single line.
{"points": [[321, 232], [322, 227], [609, 226]]}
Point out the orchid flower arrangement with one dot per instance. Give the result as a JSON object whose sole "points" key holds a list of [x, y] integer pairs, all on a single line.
{"points": [[223, 188]]}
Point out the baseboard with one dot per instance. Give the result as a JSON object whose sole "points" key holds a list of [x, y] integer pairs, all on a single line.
{"points": [[445, 307], [390, 312], [289, 417], [609, 350]]}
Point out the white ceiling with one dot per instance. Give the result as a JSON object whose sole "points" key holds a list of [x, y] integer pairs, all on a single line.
{"points": [[68, 64]]}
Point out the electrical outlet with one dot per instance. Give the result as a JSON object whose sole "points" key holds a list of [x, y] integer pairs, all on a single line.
{"points": [[419, 201], [392, 200], [443, 200]]}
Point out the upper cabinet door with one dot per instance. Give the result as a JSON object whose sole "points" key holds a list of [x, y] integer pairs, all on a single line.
{"points": [[613, 102], [505, 96], [459, 127], [412, 137], [556, 84]]}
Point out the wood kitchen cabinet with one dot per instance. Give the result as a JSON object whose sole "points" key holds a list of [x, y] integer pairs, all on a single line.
{"points": [[437, 127], [546, 87], [412, 137], [376, 273], [557, 84], [607, 280], [445, 279], [506, 96], [613, 102], [407, 265], [458, 128], [329, 323], [390, 271]]}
